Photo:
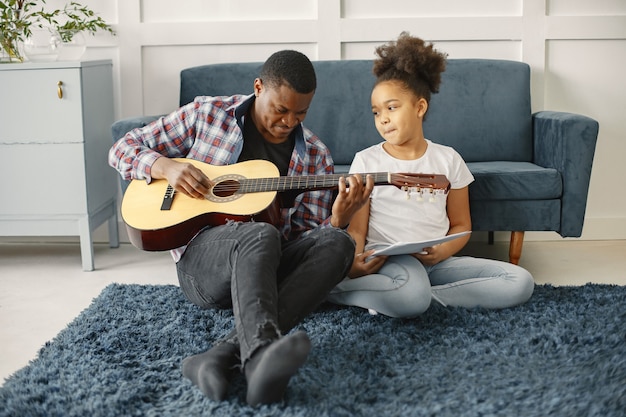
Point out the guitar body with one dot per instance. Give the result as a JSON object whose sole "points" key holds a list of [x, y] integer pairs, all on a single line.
{"points": [[154, 229]]}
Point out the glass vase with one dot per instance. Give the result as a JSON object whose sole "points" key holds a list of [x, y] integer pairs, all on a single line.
{"points": [[74, 48], [42, 45], [10, 50]]}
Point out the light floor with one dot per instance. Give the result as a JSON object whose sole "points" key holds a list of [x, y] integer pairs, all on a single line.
{"points": [[43, 288]]}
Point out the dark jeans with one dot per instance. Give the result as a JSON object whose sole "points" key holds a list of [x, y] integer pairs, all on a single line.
{"points": [[270, 285]]}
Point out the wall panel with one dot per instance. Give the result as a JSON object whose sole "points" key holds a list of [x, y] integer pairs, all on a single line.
{"points": [[161, 88], [581, 80], [455, 49], [358, 9], [226, 10], [586, 7]]}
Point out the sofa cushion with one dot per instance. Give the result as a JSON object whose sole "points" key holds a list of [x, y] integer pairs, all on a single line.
{"points": [[523, 215], [500, 180]]}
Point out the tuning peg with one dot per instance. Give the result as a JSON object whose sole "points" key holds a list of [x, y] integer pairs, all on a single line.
{"points": [[431, 198], [423, 192], [407, 190], [419, 196]]}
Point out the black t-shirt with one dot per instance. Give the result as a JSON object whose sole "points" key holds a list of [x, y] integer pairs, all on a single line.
{"points": [[256, 147]]}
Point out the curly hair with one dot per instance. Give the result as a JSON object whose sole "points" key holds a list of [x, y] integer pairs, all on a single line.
{"points": [[412, 61], [289, 67]]}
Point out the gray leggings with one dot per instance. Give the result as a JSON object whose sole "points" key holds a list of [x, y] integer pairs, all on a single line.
{"points": [[404, 287]]}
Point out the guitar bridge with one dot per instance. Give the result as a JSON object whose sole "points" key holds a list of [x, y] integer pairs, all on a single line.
{"points": [[168, 198]]}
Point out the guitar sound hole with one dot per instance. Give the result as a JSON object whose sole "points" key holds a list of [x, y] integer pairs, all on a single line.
{"points": [[225, 188]]}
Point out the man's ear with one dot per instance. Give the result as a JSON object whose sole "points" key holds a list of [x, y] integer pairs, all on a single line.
{"points": [[258, 86]]}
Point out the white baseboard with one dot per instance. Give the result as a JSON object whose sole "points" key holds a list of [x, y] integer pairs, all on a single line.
{"points": [[604, 228]]}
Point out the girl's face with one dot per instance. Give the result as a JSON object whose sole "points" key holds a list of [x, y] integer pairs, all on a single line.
{"points": [[398, 113]]}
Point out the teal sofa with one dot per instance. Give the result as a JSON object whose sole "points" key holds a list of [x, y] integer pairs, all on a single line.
{"points": [[532, 170]]}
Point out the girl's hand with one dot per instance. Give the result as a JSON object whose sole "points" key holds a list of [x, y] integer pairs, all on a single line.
{"points": [[432, 255], [363, 266]]}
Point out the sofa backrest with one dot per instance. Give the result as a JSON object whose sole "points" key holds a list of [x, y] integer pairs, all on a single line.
{"points": [[482, 108]]}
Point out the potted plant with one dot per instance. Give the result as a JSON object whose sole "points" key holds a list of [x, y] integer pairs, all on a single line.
{"points": [[20, 17]]}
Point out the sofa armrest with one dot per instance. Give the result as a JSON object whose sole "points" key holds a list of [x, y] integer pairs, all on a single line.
{"points": [[567, 142], [123, 126]]}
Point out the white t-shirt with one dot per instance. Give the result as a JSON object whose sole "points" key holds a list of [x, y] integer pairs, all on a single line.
{"points": [[393, 218]]}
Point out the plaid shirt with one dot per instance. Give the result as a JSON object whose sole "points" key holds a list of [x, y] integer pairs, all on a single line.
{"points": [[210, 129]]}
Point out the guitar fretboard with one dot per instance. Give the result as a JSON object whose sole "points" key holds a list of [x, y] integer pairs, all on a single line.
{"points": [[301, 182]]}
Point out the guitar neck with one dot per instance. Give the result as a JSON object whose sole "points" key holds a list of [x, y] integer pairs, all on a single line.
{"points": [[303, 182]]}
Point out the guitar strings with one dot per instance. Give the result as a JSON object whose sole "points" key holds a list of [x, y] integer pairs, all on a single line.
{"points": [[319, 181]]}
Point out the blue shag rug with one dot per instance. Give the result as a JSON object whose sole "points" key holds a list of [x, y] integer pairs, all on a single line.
{"points": [[561, 354]]}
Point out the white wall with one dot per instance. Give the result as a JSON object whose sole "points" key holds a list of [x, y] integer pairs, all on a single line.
{"points": [[576, 49]]}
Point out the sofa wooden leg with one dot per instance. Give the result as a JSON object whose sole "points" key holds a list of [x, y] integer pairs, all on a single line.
{"points": [[515, 247]]}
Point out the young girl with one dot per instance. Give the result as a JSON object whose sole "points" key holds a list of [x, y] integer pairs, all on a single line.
{"points": [[407, 72]]}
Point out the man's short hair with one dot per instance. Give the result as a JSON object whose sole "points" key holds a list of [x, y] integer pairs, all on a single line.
{"points": [[289, 67]]}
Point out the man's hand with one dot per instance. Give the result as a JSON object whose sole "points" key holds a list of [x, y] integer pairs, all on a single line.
{"points": [[351, 196], [184, 177]]}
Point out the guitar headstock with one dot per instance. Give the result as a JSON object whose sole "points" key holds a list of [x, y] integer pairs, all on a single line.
{"points": [[429, 185]]}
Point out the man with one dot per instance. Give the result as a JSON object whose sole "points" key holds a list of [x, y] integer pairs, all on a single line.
{"points": [[272, 276]]}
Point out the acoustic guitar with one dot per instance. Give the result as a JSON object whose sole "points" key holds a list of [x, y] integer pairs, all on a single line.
{"points": [[157, 218]]}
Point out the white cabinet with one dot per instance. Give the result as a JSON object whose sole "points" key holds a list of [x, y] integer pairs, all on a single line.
{"points": [[55, 124]]}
